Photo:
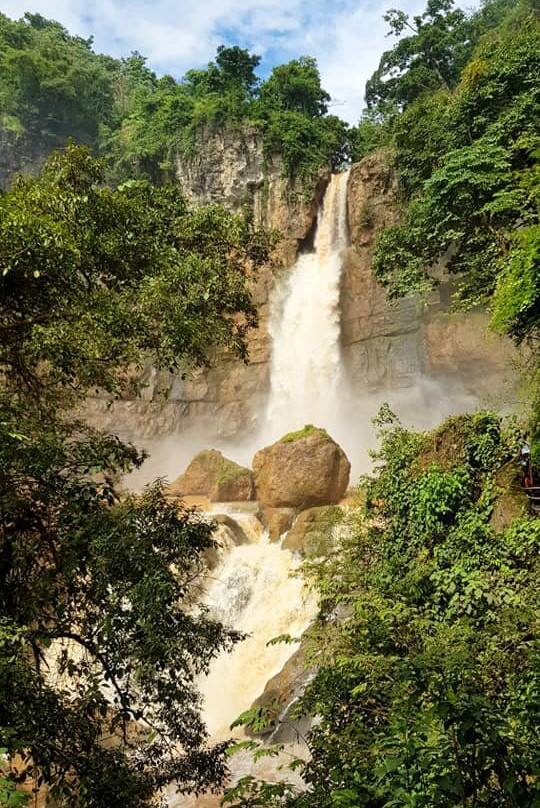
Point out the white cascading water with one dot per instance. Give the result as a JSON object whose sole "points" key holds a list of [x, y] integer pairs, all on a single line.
{"points": [[306, 373], [253, 588], [254, 591]]}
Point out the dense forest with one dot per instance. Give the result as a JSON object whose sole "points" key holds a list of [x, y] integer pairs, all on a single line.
{"points": [[427, 691], [54, 86]]}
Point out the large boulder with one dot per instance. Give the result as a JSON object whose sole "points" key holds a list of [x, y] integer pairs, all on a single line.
{"points": [[303, 469], [214, 476], [312, 529]]}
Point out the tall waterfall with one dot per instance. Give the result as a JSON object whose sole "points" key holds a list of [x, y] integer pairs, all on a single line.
{"points": [[252, 587], [306, 375]]}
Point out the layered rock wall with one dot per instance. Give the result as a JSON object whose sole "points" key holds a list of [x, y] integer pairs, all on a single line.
{"points": [[389, 344]]}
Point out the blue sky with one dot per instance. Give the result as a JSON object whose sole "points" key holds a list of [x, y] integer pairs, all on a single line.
{"points": [[346, 36]]}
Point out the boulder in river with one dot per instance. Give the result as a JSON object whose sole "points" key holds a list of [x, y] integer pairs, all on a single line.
{"points": [[303, 469], [212, 475]]}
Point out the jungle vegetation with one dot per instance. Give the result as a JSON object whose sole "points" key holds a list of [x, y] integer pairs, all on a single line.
{"points": [[427, 690], [100, 643]]}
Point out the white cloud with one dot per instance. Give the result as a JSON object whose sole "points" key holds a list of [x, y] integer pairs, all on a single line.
{"points": [[345, 36]]}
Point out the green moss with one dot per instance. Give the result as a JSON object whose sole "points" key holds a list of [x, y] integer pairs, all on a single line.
{"points": [[366, 216], [230, 471], [309, 429]]}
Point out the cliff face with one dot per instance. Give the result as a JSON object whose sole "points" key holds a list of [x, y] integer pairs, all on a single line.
{"points": [[229, 167], [22, 153], [385, 345]]}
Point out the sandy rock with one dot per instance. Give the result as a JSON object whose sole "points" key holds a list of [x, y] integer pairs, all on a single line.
{"points": [[212, 475], [311, 528], [301, 470], [236, 531], [278, 700], [277, 521]]}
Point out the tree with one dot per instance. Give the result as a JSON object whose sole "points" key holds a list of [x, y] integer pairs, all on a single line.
{"points": [[100, 638], [470, 165], [432, 56], [52, 80], [296, 87]]}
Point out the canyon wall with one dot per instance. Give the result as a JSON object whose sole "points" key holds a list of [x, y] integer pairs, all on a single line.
{"points": [[386, 346]]}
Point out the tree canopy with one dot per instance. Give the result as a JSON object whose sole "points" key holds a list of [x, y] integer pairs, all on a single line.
{"points": [[52, 86], [100, 641]]}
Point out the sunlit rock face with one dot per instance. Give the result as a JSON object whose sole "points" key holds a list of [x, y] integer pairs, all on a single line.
{"points": [[387, 345], [214, 476]]}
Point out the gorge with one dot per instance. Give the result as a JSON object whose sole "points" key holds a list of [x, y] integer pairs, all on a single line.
{"points": [[424, 360], [315, 374], [270, 423]]}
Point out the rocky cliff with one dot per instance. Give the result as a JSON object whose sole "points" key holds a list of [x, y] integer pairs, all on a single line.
{"points": [[22, 153], [386, 345]]}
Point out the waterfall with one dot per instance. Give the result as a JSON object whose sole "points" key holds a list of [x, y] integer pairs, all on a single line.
{"points": [[306, 374], [254, 590]]}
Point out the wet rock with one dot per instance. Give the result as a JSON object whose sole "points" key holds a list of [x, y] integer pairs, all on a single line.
{"points": [[277, 521], [303, 469], [235, 529], [312, 529], [213, 475], [278, 699]]}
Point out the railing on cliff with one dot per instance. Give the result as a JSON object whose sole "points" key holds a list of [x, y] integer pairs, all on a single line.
{"points": [[533, 493]]}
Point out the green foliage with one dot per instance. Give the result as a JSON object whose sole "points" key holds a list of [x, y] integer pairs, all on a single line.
{"points": [[307, 430], [433, 54], [470, 166], [92, 279], [427, 644], [428, 58], [100, 644], [52, 86], [51, 80], [296, 87]]}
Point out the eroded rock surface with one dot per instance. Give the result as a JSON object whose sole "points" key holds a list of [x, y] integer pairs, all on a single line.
{"points": [[277, 521], [303, 469]]}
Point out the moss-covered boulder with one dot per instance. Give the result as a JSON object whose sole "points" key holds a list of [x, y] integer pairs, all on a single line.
{"points": [[312, 529], [303, 469], [212, 475], [510, 501]]}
